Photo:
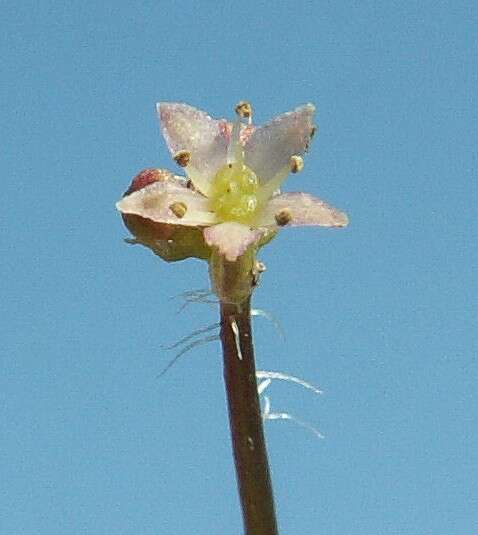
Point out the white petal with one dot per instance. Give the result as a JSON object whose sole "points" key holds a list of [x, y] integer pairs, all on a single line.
{"points": [[271, 146], [231, 238], [304, 209], [154, 202], [186, 128]]}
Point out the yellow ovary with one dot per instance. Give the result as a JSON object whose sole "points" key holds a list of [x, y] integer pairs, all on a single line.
{"points": [[234, 193]]}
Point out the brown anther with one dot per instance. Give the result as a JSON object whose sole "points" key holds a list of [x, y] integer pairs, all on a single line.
{"points": [[283, 217], [179, 209], [182, 157], [296, 164], [244, 109]]}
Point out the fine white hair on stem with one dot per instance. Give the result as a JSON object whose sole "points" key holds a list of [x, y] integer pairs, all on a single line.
{"points": [[201, 330], [192, 296], [267, 407], [265, 379], [235, 330], [261, 387], [271, 318], [262, 374], [195, 296], [267, 414], [190, 346], [193, 293]]}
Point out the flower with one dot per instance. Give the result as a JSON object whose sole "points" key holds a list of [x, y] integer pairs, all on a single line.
{"points": [[234, 174]]}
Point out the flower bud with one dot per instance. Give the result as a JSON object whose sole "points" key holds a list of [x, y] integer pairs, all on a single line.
{"points": [[145, 178]]}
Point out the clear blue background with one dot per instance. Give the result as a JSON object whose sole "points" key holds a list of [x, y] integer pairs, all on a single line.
{"points": [[382, 315]]}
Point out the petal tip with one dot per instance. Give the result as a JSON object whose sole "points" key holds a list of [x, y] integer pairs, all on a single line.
{"points": [[310, 107], [343, 220], [119, 205], [338, 219], [305, 209], [231, 239], [164, 108], [167, 110]]}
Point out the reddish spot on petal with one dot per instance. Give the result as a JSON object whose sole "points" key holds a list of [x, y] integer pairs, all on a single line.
{"points": [[246, 133], [145, 178], [225, 129]]}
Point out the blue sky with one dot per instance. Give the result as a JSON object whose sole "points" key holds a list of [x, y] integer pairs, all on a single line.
{"points": [[382, 316]]}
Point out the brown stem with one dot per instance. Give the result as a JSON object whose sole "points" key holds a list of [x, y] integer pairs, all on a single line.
{"points": [[250, 454]]}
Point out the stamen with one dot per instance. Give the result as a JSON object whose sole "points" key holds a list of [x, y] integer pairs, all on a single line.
{"points": [[235, 151], [296, 164], [274, 184], [199, 181], [179, 209], [244, 109], [182, 157], [283, 218]]}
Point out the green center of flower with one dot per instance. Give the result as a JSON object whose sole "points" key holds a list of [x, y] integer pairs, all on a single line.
{"points": [[234, 193]]}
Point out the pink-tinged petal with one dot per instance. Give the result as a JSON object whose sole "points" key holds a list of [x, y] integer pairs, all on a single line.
{"points": [[270, 147], [297, 209], [147, 177], [190, 129], [231, 238], [168, 201]]}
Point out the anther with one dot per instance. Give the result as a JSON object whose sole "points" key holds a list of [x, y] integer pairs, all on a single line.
{"points": [[296, 164], [283, 217], [244, 109], [182, 157], [179, 209]]}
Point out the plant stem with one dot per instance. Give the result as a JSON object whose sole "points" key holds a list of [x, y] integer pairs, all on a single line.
{"points": [[250, 454]]}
